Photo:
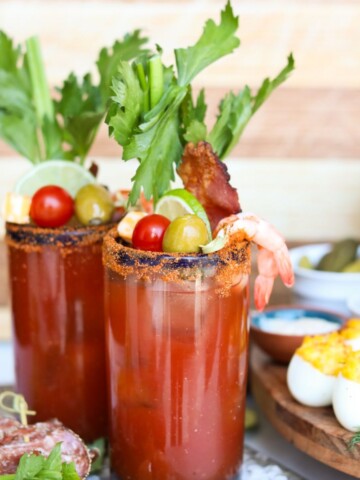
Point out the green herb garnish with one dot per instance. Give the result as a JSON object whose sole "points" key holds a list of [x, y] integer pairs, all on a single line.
{"points": [[99, 446], [153, 115], [37, 126], [38, 467], [354, 440]]}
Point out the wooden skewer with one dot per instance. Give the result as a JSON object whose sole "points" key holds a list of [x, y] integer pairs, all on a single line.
{"points": [[19, 406]]}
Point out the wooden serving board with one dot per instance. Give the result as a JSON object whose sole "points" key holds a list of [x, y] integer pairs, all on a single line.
{"points": [[315, 431]]}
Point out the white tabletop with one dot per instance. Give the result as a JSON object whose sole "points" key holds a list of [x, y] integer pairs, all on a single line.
{"points": [[265, 439]]}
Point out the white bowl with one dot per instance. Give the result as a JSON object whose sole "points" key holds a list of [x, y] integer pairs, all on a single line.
{"points": [[316, 284]]}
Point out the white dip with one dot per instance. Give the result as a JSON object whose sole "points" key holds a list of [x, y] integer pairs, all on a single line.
{"points": [[299, 326]]}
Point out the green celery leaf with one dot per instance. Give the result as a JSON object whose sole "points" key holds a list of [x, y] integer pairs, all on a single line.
{"points": [[200, 107], [29, 467], [215, 42], [158, 148], [81, 112], [46, 474], [241, 112], [18, 121], [69, 472], [125, 109], [189, 111], [221, 134], [54, 462], [237, 110], [13, 98], [20, 133], [109, 59], [192, 116], [268, 85], [9, 55], [195, 132]]}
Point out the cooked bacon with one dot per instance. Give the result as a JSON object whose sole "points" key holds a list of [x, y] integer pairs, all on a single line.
{"points": [[42, 439], [207, 178]]}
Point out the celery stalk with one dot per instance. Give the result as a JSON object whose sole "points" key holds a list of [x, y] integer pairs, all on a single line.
{"points": [[43, 103], [144, 85], [156, 75]]}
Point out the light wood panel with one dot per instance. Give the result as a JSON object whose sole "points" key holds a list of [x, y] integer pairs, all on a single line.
{"points": [[293, 123], [324, 36], [307, 199]]}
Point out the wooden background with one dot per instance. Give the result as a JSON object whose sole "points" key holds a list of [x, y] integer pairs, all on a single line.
{"points": [[298, 163]]}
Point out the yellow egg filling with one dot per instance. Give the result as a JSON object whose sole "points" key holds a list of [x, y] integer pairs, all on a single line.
{"points": [[327, 353], [351, 369], [350, 332], [353, 323]]}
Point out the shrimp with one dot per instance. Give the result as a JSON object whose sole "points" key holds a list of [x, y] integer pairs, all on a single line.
{"points": [[273, 256]]}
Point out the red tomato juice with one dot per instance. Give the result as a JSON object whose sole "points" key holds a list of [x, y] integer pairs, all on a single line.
{"points": [[57, 290], [177, 367]]}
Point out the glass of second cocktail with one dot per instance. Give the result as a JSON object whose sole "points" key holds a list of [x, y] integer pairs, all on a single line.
{"points": [[56, 217], [177, 280]]}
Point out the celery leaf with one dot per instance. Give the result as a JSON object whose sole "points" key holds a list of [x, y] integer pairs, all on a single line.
{"points": [[215, 42], [109, 59], [125, 109]]}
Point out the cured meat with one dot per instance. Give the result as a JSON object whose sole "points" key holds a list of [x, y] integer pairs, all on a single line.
{"points": [[207, 178], [42, 439]]}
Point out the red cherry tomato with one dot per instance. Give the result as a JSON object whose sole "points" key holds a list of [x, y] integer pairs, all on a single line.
{"points": [[149, 232], [51, 206]]}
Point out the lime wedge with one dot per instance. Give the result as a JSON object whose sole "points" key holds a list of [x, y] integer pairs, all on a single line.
{"points": [[68, 175], [179, 202], [215, 245]]}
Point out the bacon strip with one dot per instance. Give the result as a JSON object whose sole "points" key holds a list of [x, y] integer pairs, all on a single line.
{"points": [[207, 178], [42, 439]]}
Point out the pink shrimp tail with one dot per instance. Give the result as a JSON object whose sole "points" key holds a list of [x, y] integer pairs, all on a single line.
{"points": [[262, 291], [271, 264], [284, 266]]}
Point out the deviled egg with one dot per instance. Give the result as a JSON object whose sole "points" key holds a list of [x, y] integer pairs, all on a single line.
{"points": [[346, 395], [351, 333], [313, 369]]}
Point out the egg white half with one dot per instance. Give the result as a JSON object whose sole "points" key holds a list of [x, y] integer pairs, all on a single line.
{"points": [[346, 403], [308, 385], [354, 343]]}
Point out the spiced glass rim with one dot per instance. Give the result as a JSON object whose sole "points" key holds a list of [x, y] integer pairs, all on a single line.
{"points": [[65, 236], [125, 260]]}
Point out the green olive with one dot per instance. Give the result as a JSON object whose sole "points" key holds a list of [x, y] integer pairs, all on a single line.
{"points": [[185, 235], [93, 205]]}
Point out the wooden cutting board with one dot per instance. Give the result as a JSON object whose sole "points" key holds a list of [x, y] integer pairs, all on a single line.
{"points": [[315, 431]]}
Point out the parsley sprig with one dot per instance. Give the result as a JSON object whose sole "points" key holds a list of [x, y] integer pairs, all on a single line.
{"points": [[38, 126], [152, 112], [38, 467]]}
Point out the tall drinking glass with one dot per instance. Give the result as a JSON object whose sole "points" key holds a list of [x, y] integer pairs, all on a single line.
{"points": [[57, 293], [177, 341]]}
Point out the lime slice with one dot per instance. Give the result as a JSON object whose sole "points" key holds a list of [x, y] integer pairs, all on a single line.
{"points": [[215, 245], [179, 202], [68, 175]]}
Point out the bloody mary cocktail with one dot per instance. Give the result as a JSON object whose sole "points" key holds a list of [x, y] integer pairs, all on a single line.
{"points": [[56, 279], [177, 338]]}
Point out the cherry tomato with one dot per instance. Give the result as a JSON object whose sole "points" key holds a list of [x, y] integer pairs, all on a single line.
{"points": [[149, 232], [51, 206]]}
